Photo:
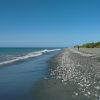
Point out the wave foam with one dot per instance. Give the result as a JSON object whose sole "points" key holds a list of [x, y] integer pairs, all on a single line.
{"points": [[30, 55]]}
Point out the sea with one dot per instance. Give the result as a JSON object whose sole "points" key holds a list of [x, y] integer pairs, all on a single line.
{"points": [[21, 69]]}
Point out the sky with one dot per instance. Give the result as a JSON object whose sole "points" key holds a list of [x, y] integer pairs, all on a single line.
{"points": [[49, 23]]}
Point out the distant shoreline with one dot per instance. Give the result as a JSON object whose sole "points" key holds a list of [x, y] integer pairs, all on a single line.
{"points": [[89, 45]]}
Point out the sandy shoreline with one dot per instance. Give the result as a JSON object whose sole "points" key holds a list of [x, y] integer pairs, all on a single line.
{"points": [[75, 75]]}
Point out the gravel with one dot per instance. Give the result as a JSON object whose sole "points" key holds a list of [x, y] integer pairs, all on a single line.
{"points": [[81, 68]]}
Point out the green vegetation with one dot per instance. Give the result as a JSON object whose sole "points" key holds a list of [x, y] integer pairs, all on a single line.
{"points": [[90, 45]]}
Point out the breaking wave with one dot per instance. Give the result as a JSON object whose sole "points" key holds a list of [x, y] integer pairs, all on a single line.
{"points": [[27, 56]]}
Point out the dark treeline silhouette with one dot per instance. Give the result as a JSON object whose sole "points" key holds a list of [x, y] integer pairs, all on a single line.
{"points": [[90, 45]]}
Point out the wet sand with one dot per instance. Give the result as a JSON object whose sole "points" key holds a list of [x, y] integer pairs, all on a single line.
{"points": [[75, 75]]}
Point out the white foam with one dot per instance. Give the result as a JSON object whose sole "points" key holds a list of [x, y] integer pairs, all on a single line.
{"points": [[45, 51], [30, 55]]}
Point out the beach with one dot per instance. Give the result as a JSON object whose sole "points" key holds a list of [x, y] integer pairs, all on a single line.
{"points": [[53, 74], [49, 49], [74, 75]]}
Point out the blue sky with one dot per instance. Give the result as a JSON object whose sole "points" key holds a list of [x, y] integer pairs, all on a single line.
{"points": [[35, 23]]}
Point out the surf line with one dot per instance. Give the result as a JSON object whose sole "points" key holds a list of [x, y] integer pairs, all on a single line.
{"points": [[29, 55]]}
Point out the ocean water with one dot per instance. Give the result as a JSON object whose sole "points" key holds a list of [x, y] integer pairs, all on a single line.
{"points": [[11, 55], [18, 80]]}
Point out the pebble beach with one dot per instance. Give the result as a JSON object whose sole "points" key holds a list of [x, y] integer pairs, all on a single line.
{"points": [[74, 75]]}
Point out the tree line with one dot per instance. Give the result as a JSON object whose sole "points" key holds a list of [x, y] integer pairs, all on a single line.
{"points": [[90, 45]]}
